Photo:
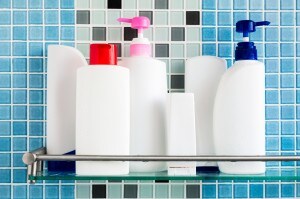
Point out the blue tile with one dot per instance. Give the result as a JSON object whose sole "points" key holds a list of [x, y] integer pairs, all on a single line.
{"points": [[36, 128], [51, 17], [224, 5], [224, 34], [287, 97], [272, 143], [298, 97], [240, 4], [237, 16], [67, 33], [5, 112], [5, 81], [287, 128], [19, 96], [5, 48], [272, 81], [256, 4], [4, 128], [287, 49], [36, 33], [297, 143], [287, 81], [19, 17], [19, 4], [19, 112], [52, 191], [272, 190], [19, 175], [5, 17], [51, 4], [272, 97], [17, 160], [35, 17], [240, 191], [272, 128], [298, 81], [224, 50], [67, 191], [35, 49], [209, 49], [271, 34], [36, 112], [287, 66], [20, 33], [35, 4], [36, 65], [297, 50], [5, 176], [5, 145], [51, 33], [287, 144], [5, 65], [5, 191], [67, 4], [287, 4], [272, 112], [19, 128], [19, 80], [5, 33], [36, 97], [208, 18], [19, 49], [5, 96], [271, 5], [208, 34], [256, 16], [67, 17], [287, 34], [5, 4], [19, 64], [208, 5], [35, 143], [5, 160], [36, 81], [36, 192], [209, 191], [271, 50], [256, 191], [288, 190], [287, 18], [20, 191], [273, 17], [298, 112], [224, 18], [224, 190], [287, 112]]}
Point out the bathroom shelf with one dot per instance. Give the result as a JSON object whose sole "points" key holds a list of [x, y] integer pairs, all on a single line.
{"points": [[35, 159]]}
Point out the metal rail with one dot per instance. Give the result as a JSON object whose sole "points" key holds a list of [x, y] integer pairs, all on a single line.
{"points": [[34, 159]]}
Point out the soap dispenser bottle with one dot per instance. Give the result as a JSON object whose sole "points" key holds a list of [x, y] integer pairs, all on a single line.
{"points": [[239, 110], [102, 112], [148, 85]]}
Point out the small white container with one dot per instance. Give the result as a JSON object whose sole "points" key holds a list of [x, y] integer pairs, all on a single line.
{"points": [[181, 132]]}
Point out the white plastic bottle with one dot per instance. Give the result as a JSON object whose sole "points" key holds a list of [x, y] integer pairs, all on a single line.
{"points": [[202, 77], [103, 113], [148, 86], [239, 112], [63, 62], [181, 131]]}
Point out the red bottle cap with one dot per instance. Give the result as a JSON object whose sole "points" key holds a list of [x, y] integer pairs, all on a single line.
{"points": [[103, 54]]}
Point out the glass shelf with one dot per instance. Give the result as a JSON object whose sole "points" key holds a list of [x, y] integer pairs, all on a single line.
{"points": [[288, 174]]}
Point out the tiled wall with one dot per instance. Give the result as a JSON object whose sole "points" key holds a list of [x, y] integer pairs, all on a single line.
{"points": [[180, 29]]}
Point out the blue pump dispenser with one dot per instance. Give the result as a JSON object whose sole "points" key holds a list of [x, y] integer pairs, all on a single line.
{"points": [[246, 50]]}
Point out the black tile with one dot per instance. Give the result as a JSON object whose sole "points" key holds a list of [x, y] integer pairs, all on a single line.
{"points": [[83, 17], [193, 191], [129, 33], [177, 82], [161, 4], [148, 14], [130, 191], [161, 50], [119, 45], [192, 17], [99, 34], [161, 181], [114, 4], [99, 191], [177, 34]]}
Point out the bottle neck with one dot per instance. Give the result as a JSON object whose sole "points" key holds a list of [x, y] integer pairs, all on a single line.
{"points": [[140, 50]]}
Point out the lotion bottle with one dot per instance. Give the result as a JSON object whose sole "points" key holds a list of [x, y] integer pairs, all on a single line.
{"points": [[239, 110], [102, 117], [148, 85]]}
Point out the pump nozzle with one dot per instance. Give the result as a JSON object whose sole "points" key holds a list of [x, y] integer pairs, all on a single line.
{"points": [[139, 23], [247, 26]]}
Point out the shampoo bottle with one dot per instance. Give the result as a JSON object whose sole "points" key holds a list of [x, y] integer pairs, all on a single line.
{"points": [[239, 111], [102, 117], [148, 85]]}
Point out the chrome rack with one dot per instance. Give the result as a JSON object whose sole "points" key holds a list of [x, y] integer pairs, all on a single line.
{"points": [[34, 159]]}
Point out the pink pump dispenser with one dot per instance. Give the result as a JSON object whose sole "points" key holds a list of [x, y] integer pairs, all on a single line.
{"points": [[140, 46]]}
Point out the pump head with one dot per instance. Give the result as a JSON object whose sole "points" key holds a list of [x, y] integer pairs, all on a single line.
{"points": [[247, 26], [139, 23]]}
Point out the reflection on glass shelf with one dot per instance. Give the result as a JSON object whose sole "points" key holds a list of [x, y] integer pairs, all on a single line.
{"points": [[271, 174]]}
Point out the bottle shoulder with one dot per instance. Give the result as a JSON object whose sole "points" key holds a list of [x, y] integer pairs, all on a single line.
{"points": [[140, 60]]}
